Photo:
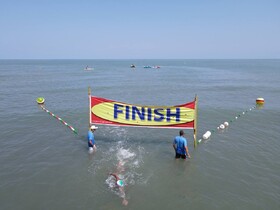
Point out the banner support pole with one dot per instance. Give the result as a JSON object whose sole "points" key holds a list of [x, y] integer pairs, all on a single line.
{"points": [[195, 124], [89, 105]]}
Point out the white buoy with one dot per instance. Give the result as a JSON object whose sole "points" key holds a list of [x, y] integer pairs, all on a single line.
{"points": [[226, 124], [222, 126], [206, 135]]}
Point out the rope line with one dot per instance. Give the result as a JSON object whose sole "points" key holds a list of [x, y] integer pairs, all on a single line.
{"points": [[59, 119], [224, 125]]}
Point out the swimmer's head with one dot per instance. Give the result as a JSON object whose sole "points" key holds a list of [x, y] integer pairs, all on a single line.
{"points": [[120, 183]]}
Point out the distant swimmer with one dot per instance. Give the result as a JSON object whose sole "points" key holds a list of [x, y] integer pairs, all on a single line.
{"points": [[91, 141], [132, 66], [180, 146]]}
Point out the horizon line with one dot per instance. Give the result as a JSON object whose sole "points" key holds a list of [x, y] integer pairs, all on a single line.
{"points": [[139, 58]]}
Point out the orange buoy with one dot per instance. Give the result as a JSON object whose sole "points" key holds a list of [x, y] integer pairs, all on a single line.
{"points": [[260, 101]]}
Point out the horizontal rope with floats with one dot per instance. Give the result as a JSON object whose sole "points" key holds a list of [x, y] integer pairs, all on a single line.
{"points": [[259, 105]]}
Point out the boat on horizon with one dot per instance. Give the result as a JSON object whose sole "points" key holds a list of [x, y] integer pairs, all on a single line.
{"points": [[156, 67], [88, 68]]}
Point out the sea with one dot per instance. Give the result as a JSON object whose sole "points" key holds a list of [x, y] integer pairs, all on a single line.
{"points": [[45, 165]]}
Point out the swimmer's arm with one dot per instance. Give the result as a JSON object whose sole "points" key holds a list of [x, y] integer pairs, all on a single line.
{"points": [[115, 175]]}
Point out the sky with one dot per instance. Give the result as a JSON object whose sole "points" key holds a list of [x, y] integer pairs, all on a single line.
{"points": [[139, 29]]}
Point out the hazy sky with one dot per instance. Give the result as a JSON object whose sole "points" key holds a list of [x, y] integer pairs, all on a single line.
{"points": [[130, 29]]}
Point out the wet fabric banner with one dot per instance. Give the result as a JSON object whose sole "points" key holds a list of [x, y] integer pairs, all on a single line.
{"points": [[109, 112]]}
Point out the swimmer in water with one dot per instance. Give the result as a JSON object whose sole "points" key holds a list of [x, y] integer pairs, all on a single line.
{"points": [[119, 182], [120, 185]]}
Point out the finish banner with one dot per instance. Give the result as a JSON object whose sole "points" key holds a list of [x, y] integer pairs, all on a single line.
{"points": [[108, 112]]}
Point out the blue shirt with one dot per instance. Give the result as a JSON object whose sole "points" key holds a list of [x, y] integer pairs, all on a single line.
{"points": [[90, 137], [180, 143]]}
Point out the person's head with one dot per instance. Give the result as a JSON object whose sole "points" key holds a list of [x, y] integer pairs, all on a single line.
{"points": [[181, 133], [120, 183], [93, 128]]}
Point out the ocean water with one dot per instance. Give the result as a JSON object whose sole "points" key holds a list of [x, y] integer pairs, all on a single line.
{"points": [[44, 165]]}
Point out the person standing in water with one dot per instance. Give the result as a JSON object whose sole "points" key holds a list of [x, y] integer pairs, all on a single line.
{"points": [[91, 141], [180, 146]]}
